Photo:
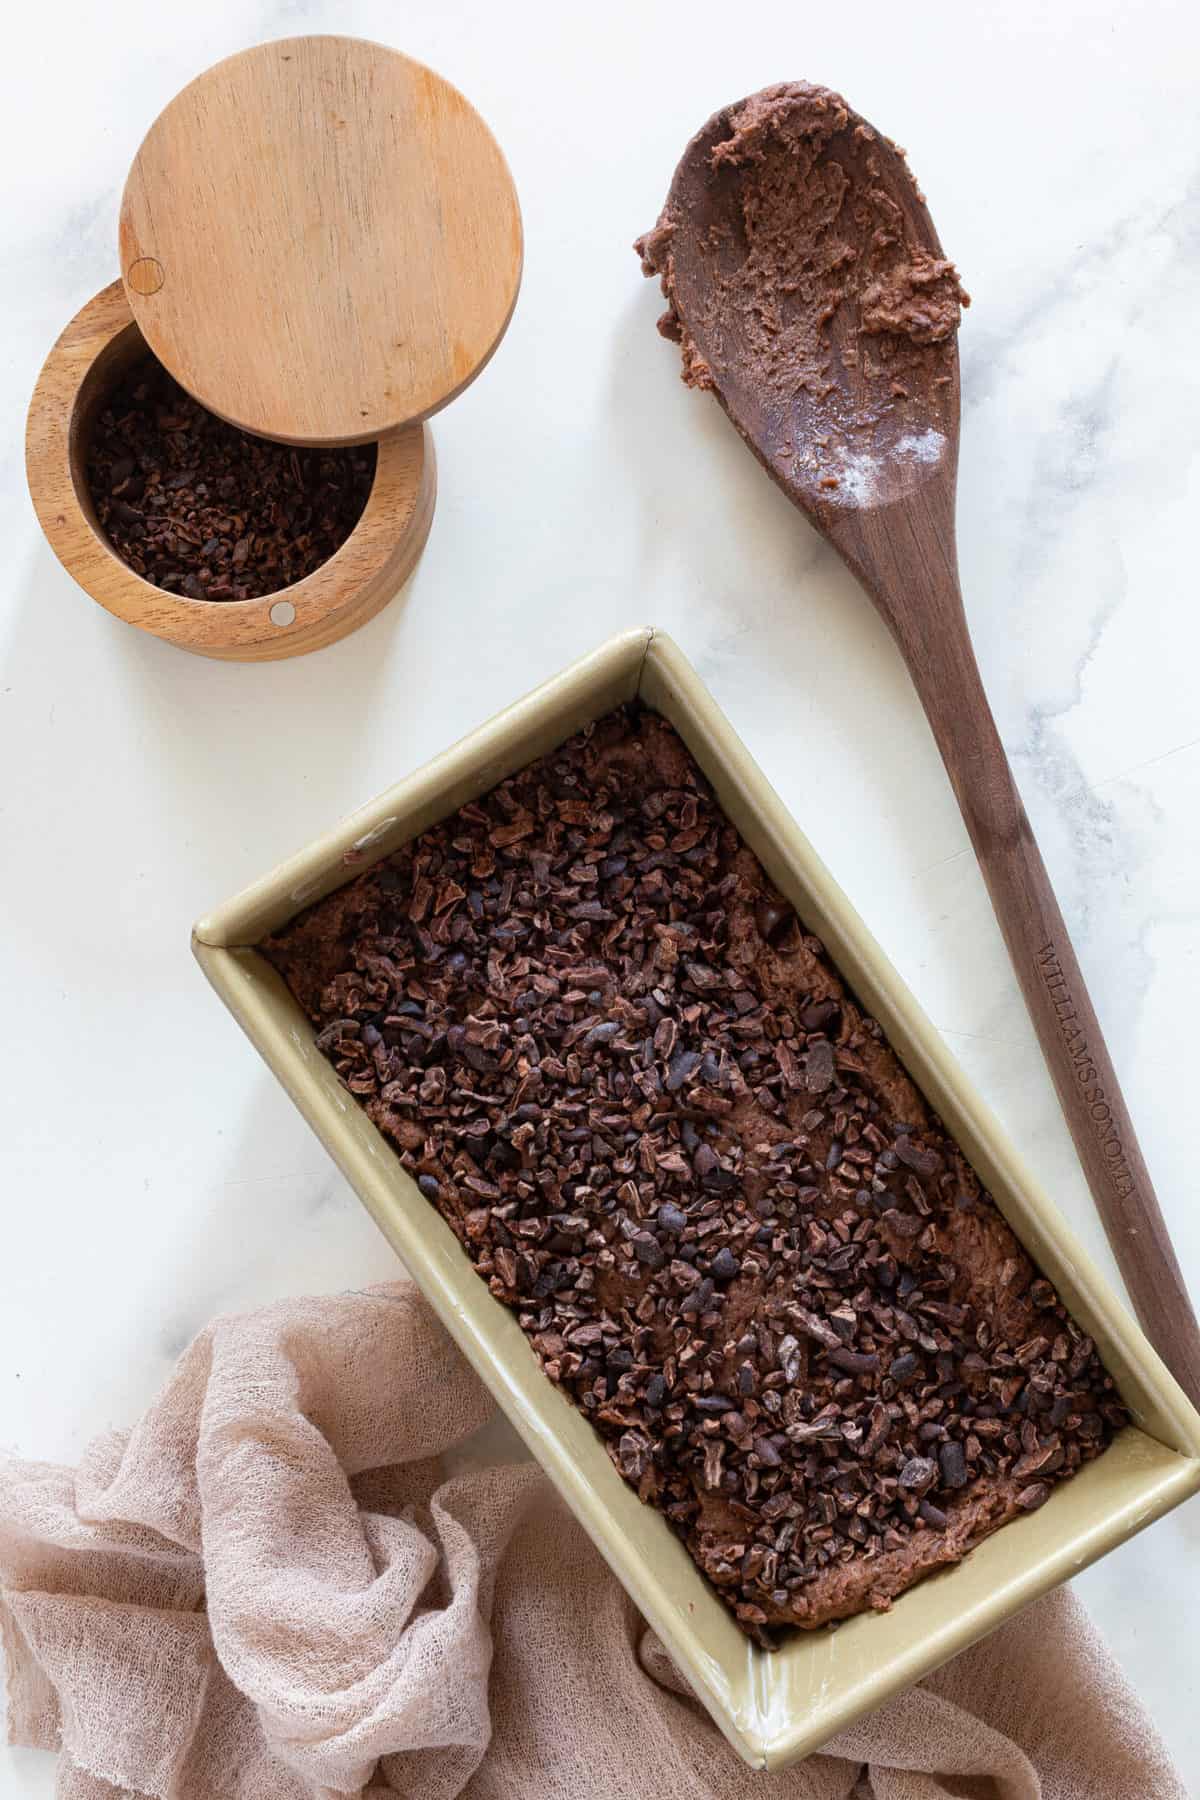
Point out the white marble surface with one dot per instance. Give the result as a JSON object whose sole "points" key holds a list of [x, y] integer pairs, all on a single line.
{"points": [[583, 490]]}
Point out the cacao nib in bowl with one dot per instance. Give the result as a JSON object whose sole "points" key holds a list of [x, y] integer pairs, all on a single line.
{"points": [[201, 508], [355, 565]]}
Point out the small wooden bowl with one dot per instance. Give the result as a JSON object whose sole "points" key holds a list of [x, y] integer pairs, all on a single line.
{"points": [[99, 344]]}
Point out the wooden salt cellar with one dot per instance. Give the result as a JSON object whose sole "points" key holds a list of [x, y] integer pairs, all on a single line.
{"points": [[320, 240]]}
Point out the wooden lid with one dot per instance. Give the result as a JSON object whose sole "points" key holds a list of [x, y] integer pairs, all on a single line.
{"points": [[320, 239]]}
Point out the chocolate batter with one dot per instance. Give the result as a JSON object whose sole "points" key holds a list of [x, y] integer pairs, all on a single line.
{"points": [[803, 289], [670, 1139]]}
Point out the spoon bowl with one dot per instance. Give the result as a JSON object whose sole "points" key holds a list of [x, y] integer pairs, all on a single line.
{"points": [[793, 233]]}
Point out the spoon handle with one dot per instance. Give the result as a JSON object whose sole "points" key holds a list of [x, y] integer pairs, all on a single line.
{"points": [[938, 650]]}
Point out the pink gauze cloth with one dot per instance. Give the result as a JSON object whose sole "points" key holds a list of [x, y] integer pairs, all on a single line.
{"points": [[275, 1588]]}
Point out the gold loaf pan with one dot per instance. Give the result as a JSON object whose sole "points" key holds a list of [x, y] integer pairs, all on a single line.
{"points": [[774, 1707]]}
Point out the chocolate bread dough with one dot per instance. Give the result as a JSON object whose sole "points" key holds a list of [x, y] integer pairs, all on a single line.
{"points": [[801, 276], [671, 1140]]}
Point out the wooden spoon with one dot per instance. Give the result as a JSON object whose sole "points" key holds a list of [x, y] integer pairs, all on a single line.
{"points": [[809, 291]]}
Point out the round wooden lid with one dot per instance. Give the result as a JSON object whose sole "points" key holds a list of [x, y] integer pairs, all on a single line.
{"points": [[320, 239]]}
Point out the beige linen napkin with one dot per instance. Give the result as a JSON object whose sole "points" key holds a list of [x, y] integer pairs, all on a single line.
{"points": [[274, 1588]]}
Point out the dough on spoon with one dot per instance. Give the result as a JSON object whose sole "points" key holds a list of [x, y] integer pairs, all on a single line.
{"points": [[795, 282]]}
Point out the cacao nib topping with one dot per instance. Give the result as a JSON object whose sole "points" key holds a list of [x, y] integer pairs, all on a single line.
{"points": [[668, 1138]]}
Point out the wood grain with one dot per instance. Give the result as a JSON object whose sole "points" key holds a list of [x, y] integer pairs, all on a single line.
{"points": [[320, 239], [378, 556], [894, 527]]}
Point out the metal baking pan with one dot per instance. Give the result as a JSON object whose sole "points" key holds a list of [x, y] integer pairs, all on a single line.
{"points": [[773, 1706]]}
